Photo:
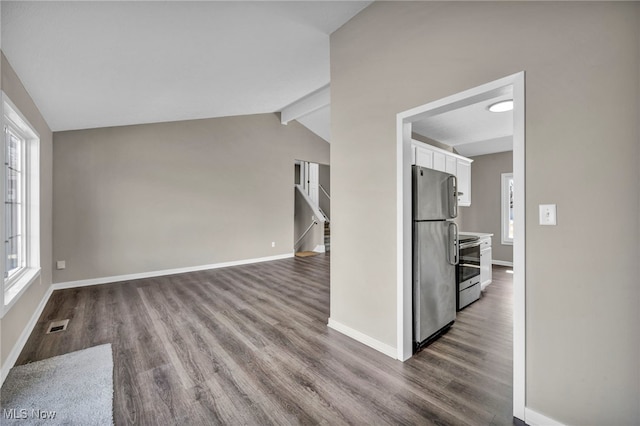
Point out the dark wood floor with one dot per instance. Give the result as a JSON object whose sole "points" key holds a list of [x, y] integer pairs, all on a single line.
{"points": [[250, 345]]}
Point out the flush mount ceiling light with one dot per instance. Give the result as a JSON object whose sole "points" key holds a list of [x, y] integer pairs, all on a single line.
{"points": [[501, 106]]}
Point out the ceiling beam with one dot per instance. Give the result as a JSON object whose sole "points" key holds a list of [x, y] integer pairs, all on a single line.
{"points": [[305, 105]]}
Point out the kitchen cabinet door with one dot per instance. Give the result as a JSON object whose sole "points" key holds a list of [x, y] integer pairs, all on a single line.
{"points": [[439, 161], [424, 157], [463, 173], [486, 273], [451, 165]]}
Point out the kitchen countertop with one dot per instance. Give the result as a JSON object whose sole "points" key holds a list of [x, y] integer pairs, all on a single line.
{"points": [[476, 234]]}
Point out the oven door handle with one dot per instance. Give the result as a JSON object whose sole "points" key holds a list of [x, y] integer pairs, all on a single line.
{"points": [[470, 244], [453, 243]]}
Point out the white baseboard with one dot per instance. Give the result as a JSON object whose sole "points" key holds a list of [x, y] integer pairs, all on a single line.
{"points": [[502, 263], [24, 336], [533, 418], [138, 276], [364, 339]]}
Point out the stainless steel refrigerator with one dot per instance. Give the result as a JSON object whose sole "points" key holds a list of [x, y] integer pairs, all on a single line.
{"points": [[435, 253]]}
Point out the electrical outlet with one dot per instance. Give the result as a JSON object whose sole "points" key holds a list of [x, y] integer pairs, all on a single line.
{"points": [[547, 214], [61, 264], [273, 243]]}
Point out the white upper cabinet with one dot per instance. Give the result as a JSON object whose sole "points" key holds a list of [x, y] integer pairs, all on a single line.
{"points": [[435, 158], [423, 157], [450, 165], [439, 161], [463, 173]]}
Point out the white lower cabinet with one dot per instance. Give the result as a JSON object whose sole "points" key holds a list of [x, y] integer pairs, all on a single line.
{"points": [[486, 274]]}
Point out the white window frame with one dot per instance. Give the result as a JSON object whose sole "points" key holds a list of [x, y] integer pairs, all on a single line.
{"points": [[13, 287], [12, 276], [505, 197]]}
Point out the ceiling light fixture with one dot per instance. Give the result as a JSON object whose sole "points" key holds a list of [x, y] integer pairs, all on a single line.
{"points": [[501, 106]]}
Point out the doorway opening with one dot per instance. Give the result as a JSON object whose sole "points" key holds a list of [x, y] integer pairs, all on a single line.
{"points": [[514, 85], [312, 207]]}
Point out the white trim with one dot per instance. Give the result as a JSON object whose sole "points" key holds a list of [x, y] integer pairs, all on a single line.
{"points": [[504, 223], [404, 345], [11, 116], [501, 263], [533, 418], [306, 105], [152, 274], [17, 118], [519, 247], [24, 336], [16, 291], [515, 83], [363, 338]]}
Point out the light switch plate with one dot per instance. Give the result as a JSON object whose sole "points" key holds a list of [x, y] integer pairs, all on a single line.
{"points": [[548, 214], [61, 264]]}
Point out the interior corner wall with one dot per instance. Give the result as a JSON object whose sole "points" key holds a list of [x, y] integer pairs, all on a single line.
{"points": [[15, 321], [582, 62], [154, 197], [485, 212]]}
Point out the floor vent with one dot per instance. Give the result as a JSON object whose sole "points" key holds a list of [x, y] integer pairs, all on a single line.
{"points": [[57, 326]]}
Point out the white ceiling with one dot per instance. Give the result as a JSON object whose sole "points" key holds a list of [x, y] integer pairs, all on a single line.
{"points": [[319, 122], [471, 130], [100, 64]]}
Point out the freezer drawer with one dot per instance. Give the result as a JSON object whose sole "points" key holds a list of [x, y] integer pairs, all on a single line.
{"points": [[469, 295]]}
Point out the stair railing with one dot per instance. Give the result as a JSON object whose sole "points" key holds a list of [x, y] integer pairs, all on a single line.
{"points": [[325, 192], [304, 234], [318, 216], [326, 218]]}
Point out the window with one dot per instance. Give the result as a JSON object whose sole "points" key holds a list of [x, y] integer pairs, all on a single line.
{"points": [[14, 195], [20, 230], [507, 208]]}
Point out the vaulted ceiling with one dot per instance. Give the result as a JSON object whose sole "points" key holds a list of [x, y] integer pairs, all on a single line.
{"points": [[100, 64]]}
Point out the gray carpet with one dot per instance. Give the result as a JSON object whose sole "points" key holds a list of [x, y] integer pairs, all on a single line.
{"points": [[71, 389]]}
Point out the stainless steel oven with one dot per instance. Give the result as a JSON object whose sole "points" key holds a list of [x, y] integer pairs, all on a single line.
{"points": [[468, 271]]}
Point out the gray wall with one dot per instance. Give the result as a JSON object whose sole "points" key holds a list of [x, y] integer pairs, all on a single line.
{"points": [[324, 179], [582, 153], [484, 214], [15, 321], [160, 196]]}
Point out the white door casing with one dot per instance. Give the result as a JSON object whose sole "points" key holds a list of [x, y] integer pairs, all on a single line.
{"points": [[515, 83], [314, 183]]}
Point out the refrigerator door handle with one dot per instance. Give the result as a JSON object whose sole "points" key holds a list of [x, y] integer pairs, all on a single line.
{"points": [[453, 243], [452, 187]]}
